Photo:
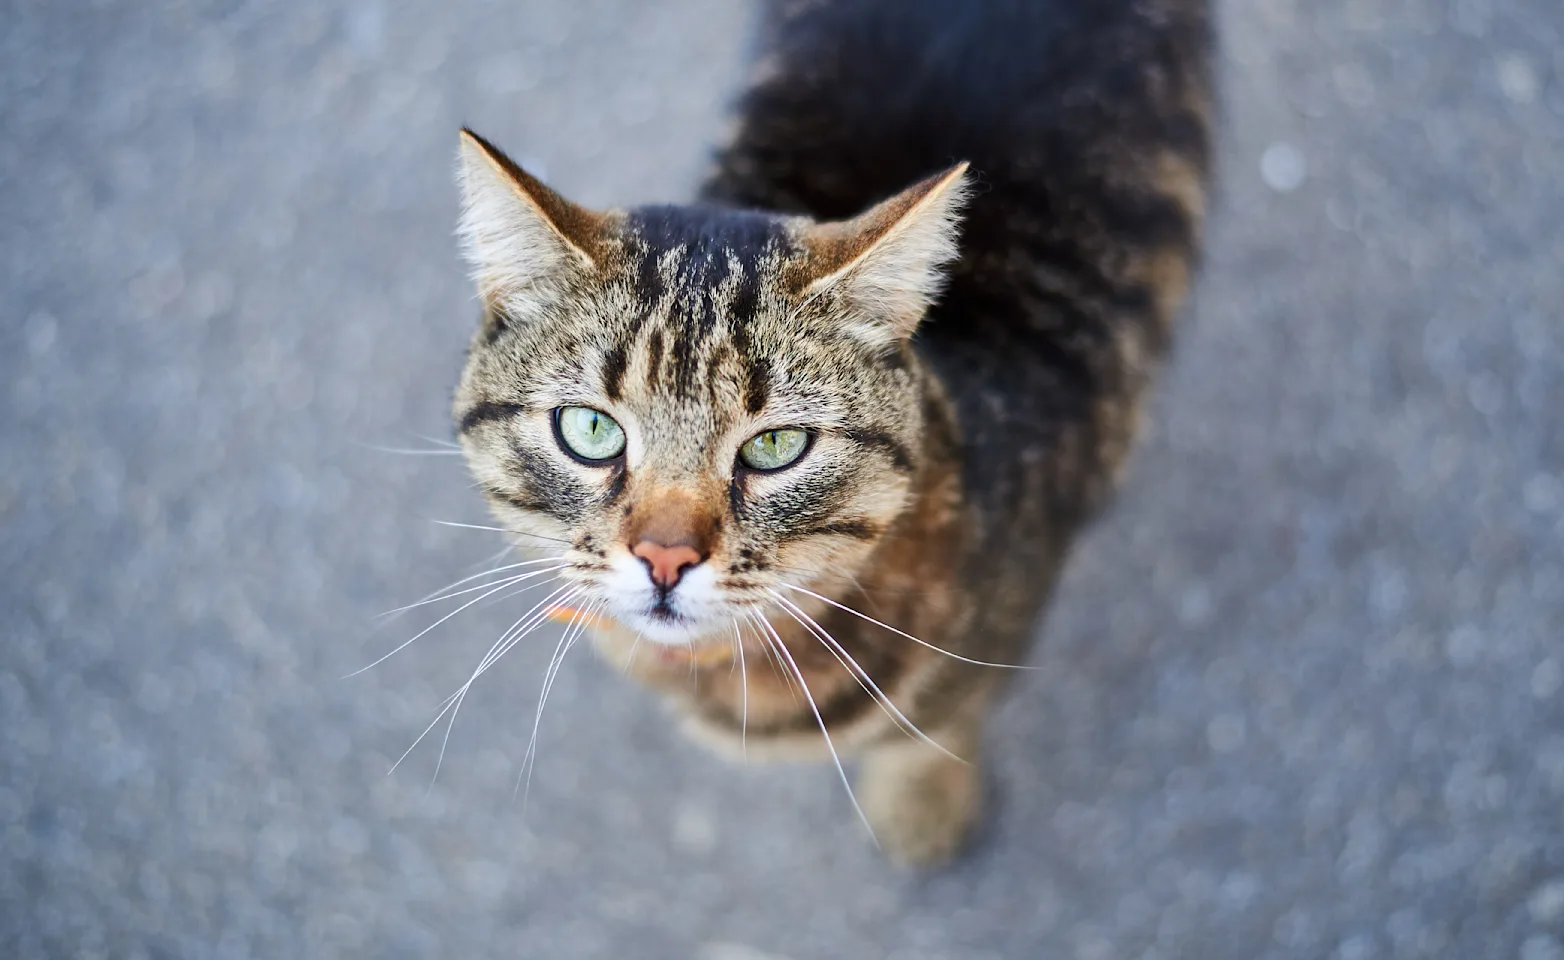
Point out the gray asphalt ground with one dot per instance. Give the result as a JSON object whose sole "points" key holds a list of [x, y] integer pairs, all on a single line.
{"points": [[1302, 694]]}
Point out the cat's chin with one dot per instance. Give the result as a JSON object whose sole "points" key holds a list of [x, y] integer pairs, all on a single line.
{"points": [[678, 630], [656, 627], [661, 646]]}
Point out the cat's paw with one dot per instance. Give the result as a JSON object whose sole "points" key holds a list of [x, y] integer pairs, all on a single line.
{"points": [[921, 804]]}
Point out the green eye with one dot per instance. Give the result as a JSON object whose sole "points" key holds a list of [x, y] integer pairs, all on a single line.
{"points": [[773, 449], [589, 434]]}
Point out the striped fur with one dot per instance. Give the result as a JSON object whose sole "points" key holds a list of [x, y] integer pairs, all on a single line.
{"points": [[968, 354]]}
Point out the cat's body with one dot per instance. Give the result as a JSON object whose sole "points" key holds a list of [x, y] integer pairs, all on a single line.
{"points": [[947, 469]]}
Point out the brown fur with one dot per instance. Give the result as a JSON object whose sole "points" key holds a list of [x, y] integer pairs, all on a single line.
{"points": [[959, 437]]}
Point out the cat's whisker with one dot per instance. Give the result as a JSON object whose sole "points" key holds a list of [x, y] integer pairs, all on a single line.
{"points": [[469, 526], [860, 674], [781, 648], [573, 632], [532, 620], [448, 701], [864, 616], [453, 703], [471, 577], [408, 642], [437, 597], [519, 591], [410, 451], [508, 532], [738, 641], [555, 658], [773, 660], [630, 660]]}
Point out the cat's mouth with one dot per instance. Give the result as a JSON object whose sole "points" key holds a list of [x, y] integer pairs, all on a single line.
{"points": [[700, 651], [688, 613], [664, 613], [666, 625]]}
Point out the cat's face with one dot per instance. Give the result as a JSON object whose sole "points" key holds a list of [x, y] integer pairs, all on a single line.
{"points": [[694, 408]]}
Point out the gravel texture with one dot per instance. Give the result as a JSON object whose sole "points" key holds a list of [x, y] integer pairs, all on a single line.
{"points": [[1302, 692]]}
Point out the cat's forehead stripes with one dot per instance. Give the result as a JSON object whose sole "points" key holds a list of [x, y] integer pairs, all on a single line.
{"points": [[701, 275]]}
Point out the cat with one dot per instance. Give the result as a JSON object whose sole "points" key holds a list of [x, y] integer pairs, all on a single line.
{"points": [[815, 447]]}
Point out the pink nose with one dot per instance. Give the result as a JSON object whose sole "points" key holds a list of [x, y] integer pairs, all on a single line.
{"points": [[666, 564]]}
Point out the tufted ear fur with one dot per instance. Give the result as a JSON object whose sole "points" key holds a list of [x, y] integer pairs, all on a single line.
{"points": [[886, 263], [523, 241]]}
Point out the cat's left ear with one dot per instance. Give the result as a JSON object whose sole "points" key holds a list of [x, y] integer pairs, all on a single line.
{"points": [[525, 242], [886, 263]]}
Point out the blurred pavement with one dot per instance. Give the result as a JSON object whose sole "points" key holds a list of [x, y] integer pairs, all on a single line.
{"points": [[1303, 690]]}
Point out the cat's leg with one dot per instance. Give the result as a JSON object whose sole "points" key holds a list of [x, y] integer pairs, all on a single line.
{"points": [[923, 802]]}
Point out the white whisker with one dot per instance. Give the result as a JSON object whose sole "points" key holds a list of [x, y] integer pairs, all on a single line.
{"points": [[447, 451], [510, 566], [776, 641], [772, 659], [471, 577], [518, 591], [454, 699], [410, 452], [469, 526], [738, 638], [903, 633], [572, 633], [860, 674], [532, 621], [508, 532], [630, 660], [425, 630]]}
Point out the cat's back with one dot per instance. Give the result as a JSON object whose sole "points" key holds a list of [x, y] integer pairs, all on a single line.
{"points": [[858, 98]]}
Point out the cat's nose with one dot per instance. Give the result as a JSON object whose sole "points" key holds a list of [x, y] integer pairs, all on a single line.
{"points": [[666, 564]]}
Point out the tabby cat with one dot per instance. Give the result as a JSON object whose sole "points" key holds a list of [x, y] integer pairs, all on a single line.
{"points": [[814, 447]]}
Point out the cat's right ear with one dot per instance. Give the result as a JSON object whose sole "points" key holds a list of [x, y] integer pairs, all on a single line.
{"points": [[524, 242]]}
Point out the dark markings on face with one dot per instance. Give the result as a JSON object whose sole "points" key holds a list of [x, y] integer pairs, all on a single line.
{"points": [[737, 497], [716, 271], [749, 560], [755, 384], [654, 356], [791, 513], [614, 363], [616, 484], [520, 501], [684, 360], [707, 323], [757, 369], [856, 529], [878, 440], [557, 491], [588, 544], [487, 411]]}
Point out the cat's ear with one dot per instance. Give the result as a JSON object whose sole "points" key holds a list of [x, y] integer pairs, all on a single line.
{"points": [[886, 263], [523, 241]]}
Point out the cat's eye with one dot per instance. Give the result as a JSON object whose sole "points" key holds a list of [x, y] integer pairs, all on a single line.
{"points": [[589, 434], [773, 449]]}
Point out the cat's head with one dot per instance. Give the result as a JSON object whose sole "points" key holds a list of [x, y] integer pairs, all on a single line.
{"points": [[694, 406]]}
